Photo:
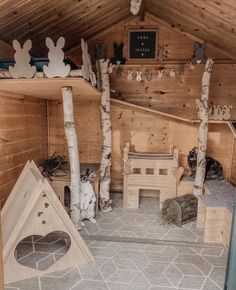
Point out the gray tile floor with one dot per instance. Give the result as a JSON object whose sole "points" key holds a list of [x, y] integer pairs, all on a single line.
{"points": [[179, 261]]}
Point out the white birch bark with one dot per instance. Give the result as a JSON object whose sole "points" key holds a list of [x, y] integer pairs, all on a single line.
{"points": [[71, 137], [203, 129], [105, 167]]}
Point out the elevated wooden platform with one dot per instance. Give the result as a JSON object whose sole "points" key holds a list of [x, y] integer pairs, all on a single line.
{"points": [[50, 89]]}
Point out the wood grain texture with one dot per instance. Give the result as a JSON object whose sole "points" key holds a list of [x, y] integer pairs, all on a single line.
{"points": [[173, 95], [23, 136], [46, 88], [145, 131], [212, 21]]}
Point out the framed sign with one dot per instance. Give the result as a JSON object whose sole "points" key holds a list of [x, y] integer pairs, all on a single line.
{"points": [[143, 44]]}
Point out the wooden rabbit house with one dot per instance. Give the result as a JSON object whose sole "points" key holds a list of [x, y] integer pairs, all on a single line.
{"points": [[150, 171]]}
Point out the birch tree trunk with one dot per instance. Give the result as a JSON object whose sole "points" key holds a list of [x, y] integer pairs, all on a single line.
{"points": [[71, 137], [203, 113], [105, 167]]}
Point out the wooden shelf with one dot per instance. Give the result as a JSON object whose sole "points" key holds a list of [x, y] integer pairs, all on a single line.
{"points": [[49, 89]]}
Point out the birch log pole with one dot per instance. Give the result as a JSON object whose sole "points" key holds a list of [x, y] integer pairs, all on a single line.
{"points": [[203, 114], [105, 167], [71, 137]]}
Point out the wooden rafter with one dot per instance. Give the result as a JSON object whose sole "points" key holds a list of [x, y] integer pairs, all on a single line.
{"points": [[142, 11]]}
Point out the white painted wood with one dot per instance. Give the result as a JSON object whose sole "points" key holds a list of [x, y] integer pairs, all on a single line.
{"points": [[138, 75], [22, 68], [219, 113], [203, 114], [5, 74], [105, 167], [33, 194], [56, 66], [73, 149], [135, 6], [87, 70]]}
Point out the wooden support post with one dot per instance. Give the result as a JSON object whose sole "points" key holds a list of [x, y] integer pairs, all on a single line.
{"points": [[105, 166], [203, 129], [71, 137]]}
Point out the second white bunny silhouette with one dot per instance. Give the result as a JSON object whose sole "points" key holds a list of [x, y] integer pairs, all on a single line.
{"points": [[138, 75], [22, 68], [56, 66]]}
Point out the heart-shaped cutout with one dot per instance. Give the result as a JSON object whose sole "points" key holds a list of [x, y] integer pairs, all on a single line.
{"points": [[40, 252]]}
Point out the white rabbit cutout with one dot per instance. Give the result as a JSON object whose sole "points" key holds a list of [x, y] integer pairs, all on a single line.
{"points": [[130, 75], [139, 76], [160, 74], [56, 66], [22, 68], [172, 72]]}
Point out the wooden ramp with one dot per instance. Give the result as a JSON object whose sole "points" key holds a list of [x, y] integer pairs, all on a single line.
{"points": [[34, 209]]}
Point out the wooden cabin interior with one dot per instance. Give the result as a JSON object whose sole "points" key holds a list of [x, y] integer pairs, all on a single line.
{"points": [[150, 89]]}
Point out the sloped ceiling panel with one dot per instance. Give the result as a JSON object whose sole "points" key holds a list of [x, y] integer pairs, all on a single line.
{"points": [[213, 21], [74, 19], [209, 20]]}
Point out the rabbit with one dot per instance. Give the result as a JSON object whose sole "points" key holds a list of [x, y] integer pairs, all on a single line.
{"points": [[110, 68], [148, 74], [172, 73], [118, 54], [190, 66], [216, 112], [100, 51], [135, 6], [181, 69], [160, 74], [139, 76], [130, 75], [22, 67], [226, 112], [199, 53], [56, 66], [214, 169]]}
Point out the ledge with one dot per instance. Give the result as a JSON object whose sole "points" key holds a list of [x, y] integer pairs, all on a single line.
{"points": [[49, 89]]}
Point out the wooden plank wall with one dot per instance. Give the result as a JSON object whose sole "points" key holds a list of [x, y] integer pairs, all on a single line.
{"points": [[147, 131], [87, 122], [176, 95], [173, 95], [23, 136]]}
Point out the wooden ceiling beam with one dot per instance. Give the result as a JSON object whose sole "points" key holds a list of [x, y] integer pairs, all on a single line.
{"points": [[142, 11]]}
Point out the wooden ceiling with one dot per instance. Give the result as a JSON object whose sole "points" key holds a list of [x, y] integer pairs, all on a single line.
{"points": [[213, 21], [73, 19]]}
